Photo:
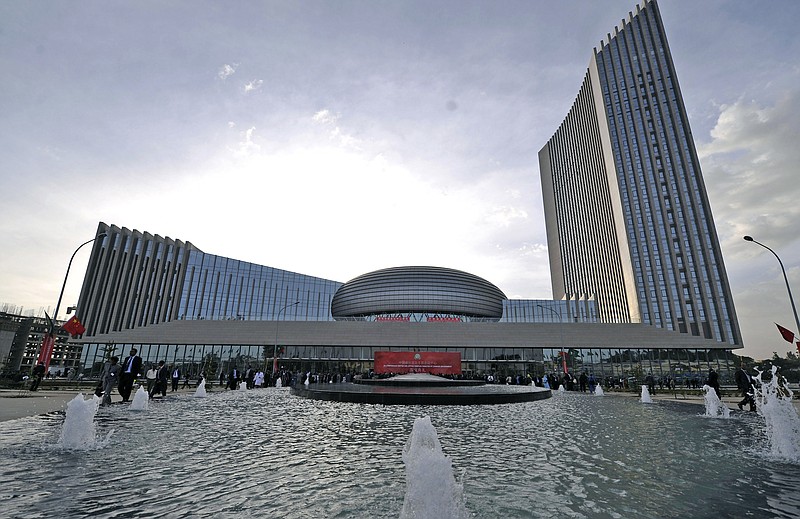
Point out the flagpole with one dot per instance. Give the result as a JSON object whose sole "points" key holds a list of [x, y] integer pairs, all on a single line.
{"points": [[52, 329], [785, 279]]}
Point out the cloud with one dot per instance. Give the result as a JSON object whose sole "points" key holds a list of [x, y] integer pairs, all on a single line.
{"points": [[325, 117], [329, 119], [246, 147], [226, 71], [506, 215], [252, 86], [751, 167]]}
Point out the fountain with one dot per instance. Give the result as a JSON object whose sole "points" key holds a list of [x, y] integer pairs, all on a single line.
{"points": [[431, 488], [714, 406], [782, 424], [141, 400], [242, 386], [201, 389], [505, 465], [421, 388], [278, 383], [646, 399], [79, 431], [598, 390]]}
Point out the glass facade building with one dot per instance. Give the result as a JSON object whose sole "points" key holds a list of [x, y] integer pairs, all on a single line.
{"points": [[216, 287], [205, 313], [627, 215], [137, 279], [636, 267]]}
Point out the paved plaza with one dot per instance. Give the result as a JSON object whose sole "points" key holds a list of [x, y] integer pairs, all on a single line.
{"points": [[16, 404]]}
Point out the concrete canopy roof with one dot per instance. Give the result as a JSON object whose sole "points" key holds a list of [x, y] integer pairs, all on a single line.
{"points": [[404, 334]]}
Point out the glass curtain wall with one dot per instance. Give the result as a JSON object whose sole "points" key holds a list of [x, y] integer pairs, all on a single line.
{"points": [[615, 368], [223, 288]]}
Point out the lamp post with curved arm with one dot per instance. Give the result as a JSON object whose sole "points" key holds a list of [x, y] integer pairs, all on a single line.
{"points": [[561, 333], [49, 340], [785, 279], [275, 348], [63, 286]]}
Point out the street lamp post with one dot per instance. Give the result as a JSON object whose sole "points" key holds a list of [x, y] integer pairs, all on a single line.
{"points": [[49, 341], [64, 285], [275, 348], [785, 278], [561, 333]]}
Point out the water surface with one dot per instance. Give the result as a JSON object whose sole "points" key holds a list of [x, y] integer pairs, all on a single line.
{"points": [[269, 454]]}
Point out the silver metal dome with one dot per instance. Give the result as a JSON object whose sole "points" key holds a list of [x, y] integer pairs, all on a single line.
{"points": [[428, 290]]}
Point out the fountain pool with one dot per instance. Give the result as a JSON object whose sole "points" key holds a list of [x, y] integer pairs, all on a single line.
{"points": [[268, 453]]}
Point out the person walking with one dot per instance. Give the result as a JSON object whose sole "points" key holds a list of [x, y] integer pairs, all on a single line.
{"points": [[110, 379], [151, 378], [130, 370], [651, 383], [713, 382], [233, 379], [745, 385], [176, 378], [162, 375], [37, 374]]}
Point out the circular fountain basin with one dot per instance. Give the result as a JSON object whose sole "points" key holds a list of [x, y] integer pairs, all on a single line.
{"points": [[421, 389]]}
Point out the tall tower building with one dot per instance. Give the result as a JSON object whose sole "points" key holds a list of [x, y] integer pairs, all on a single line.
{"points": [[627, 215]]}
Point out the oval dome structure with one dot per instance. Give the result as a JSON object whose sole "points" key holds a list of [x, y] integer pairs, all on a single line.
{"points": [[420, 290]]}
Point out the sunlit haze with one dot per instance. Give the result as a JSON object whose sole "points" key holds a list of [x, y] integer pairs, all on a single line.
{"points": [[336, 138]]}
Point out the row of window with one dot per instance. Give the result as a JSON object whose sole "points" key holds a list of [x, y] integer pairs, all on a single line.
{"points": [[215, 360]]}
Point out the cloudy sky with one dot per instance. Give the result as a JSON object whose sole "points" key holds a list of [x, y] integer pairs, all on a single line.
{"points": [[332, 138]]}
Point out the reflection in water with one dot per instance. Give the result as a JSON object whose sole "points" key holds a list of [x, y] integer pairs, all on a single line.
{"points": [[570, 456]]}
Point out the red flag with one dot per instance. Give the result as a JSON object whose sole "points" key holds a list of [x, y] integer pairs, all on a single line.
{"points": [[48, 341], [74, 326], [788, 335]]}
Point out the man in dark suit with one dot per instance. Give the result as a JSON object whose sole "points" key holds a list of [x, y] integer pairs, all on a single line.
{"points": [[176, 378], [130, 370], [745, 384], [162, 375], [233, 379], [38, 373]]}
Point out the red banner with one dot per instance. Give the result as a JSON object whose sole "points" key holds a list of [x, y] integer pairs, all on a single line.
{"points": [[46, 351], [436, 362]]}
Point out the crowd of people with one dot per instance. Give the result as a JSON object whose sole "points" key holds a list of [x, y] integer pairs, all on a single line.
{"points": [[123, 377], [159, 378], [253, 378]]}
